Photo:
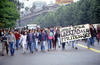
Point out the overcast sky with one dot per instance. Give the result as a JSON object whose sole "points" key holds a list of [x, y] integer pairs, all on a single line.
{"points": [[28, 3]]}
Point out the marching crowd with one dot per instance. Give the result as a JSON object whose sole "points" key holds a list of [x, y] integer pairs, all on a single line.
{"points": [[29, 39], [32, 39]]}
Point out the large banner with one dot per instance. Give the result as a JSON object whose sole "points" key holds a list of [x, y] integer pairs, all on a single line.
{"points": [[64, 1], [74, 33]]}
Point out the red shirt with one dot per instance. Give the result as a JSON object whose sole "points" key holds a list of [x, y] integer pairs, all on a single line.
{"points": [[17, 35]]}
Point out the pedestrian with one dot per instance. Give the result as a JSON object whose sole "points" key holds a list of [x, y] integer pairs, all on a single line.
{"points": [[58, 36], [36, 35], [31, 41], [98, 33], [93, 34], [40, 35], [17, 35], [12, 42], [54, 38], [43, 42], [50, 37], [5, 45], [23, 41]]}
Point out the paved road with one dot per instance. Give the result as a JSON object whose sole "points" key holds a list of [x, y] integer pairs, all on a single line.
{"points": [[70, 56]]}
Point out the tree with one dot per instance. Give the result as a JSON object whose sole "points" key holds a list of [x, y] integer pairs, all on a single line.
{"points": [[81, 12], [8, 14]]}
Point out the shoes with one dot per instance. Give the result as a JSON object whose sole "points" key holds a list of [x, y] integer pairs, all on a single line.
{"points": [[76, 48], [32, 52], [59, 46], [12, 54], [2, 54]]}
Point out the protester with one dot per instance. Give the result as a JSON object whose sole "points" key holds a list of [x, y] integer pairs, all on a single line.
{"points": [[12, 42], [93, 34], [90, 41], [39, 38], [98, 33], [58, 36], [23, 41], [43, 42], [17, 35], [31, 41], [54, 38], [4, 43], [36, 35], [50, 37]]}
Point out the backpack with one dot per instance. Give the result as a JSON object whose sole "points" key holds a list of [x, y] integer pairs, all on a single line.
{"points": [[50, 35]]}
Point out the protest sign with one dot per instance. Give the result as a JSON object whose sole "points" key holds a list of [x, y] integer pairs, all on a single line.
{"points": [[74, 33]]}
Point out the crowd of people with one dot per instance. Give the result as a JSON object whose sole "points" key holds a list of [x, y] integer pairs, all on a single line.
{"points": [[32, 39]]}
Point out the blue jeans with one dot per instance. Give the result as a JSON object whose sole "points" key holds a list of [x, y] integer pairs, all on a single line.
{"points": [[43, 45], [92, 40], [73, 44], [88, 44], [63, 45], [31, 46], [58, 41], [17, 44], [11, 45], [49, 44], [36, 44]]}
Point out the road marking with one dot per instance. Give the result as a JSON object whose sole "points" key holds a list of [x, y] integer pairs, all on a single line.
{"points": [[92, 49]]}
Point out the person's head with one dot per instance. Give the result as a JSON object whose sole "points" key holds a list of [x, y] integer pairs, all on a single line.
{"points": [[10, 32], [91, 25], [58, 27], [4, 31], [24, 33], [35, 31], [43, 30], [30, 31], [54, 29]]}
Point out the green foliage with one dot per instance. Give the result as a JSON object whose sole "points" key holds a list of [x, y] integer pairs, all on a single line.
{"points": [[8, 14], [81, 12]]}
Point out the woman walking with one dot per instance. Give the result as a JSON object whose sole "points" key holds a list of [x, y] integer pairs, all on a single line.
{"points": [[50, 37], [23, 41]]}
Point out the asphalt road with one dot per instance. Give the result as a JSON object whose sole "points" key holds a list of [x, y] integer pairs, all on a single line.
{"points": [[69, 56]]}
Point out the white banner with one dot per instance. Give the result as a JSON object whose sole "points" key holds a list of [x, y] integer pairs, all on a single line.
{"points": [[74, 33]]}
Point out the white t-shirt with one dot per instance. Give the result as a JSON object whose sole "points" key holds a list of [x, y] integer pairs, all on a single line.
{"points": [[23, 39]]}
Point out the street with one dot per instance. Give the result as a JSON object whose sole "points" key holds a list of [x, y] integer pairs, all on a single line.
{"points": [[50, 32], [69, 56]]}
